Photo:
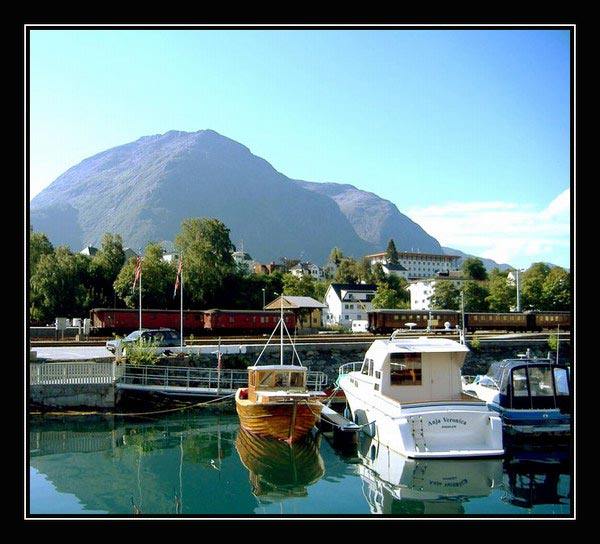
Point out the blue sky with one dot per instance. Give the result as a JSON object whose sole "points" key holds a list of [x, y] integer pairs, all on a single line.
{"points": [[466, 131]]}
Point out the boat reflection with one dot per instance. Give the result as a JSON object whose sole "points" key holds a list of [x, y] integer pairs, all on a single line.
{"points": [[394, 484], [279, 470], [536, 479]]}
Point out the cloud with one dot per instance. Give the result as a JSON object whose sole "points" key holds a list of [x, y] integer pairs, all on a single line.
{"points": [[504, 231]]}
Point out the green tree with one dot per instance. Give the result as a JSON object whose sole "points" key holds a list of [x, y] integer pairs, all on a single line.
{"points": [[207, 260], [336, 256], [387, 297], [391, 253], [445, 296], [158, 281], [347, 271], [503, 295], [475, 296], [104, 270], [556, 290], [302, 286], [38, 245], [532, 286], [58, 286], [473, 268]]}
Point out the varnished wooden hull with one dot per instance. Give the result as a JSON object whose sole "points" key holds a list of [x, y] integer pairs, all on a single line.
{"points": [[289, 421], [277, 469]]}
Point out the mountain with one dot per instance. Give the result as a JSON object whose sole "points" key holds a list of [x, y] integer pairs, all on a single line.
{"points": [[144, 189], [375, 219], [488, 263]]}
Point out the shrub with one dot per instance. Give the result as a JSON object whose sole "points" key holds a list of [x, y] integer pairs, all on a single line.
{"points": [[142, 352]]}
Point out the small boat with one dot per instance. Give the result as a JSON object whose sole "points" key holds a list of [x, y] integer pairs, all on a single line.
{"points": [[277, 402], [278, 470], [408, 396], [531, 395]]}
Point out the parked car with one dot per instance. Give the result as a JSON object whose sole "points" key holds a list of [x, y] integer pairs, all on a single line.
{"points": [[165, 338]]}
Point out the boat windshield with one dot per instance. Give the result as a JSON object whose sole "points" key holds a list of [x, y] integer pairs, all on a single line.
{"points": [[280, 379]]}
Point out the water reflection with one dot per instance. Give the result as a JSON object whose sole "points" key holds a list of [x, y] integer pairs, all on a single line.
{"points": [[533, 479], [200, 463], [278, 470], [394, 484]]}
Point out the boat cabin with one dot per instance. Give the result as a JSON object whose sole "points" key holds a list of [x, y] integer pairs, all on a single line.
{"points": [[413, 370], [272, 381], [531, 384]]}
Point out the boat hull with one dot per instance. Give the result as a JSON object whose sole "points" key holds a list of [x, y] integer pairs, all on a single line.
{"points": [[429, 430], [289, 421]]}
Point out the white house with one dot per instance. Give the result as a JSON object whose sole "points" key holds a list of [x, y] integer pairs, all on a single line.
{"points": [[307, 269], [422, 290], [419, 265], [90, 251], [348, 302], [171, 257]]}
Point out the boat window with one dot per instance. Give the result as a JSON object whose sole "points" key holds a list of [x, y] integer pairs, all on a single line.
{"points": [[519, 380], [297, 379], [282, 379], [561, 381], [265, 378], [365, 367], [405, 369], [540, 381]]}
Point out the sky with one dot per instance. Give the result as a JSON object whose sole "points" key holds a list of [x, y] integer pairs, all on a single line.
{"points": [[466, 131]]}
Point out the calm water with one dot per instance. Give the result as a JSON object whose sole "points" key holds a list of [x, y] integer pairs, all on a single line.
{"points": [[198, 463]]}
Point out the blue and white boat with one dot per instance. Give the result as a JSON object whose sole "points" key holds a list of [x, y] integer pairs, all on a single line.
{"points": [[531, 395]]}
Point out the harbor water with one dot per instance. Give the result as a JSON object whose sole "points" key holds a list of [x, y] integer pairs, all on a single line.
{"points": [[201, 463]]}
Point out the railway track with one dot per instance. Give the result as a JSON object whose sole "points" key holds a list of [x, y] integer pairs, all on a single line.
{"points": [[356, 338]]}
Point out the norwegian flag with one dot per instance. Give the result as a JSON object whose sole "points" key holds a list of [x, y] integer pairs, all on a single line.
{"points": [[178, 276], [138, 271]]}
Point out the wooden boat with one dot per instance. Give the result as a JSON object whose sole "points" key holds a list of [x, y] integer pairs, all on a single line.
{"points": [[277, 402], [276, 469]]}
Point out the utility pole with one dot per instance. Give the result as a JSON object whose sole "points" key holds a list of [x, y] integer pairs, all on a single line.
{"points": [[518, 293]]}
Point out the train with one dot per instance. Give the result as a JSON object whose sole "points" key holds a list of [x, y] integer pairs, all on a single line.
{"points": [[214, 322], [386, 321]]}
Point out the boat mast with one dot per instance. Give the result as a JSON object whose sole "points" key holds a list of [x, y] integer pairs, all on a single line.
{"points": [[281, 335]]}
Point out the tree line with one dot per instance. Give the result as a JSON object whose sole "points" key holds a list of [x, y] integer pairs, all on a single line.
{"points": [[541, 288], [63, 283]]}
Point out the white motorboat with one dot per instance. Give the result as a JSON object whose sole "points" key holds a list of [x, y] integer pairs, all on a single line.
{"points": [[408, 395]]}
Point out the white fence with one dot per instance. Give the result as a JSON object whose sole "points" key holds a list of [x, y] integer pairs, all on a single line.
{"points": [[85, 372]]}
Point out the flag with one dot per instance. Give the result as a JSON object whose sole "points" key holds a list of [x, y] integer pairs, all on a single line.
{"points": [[138, 271], [178, 277]]}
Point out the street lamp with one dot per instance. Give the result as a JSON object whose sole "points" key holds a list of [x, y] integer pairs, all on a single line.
{"points": [[517, 270], [263, 290]]}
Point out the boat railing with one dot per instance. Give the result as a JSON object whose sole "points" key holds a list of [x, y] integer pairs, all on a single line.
{"points": [[349, 367]]}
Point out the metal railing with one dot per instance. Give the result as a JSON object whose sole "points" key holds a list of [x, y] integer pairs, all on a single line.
{"points": [[205, 378], [70, 372], [89, 372], [350, 367]]}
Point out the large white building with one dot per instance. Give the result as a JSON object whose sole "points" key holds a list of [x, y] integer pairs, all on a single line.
{"points": [[421, 290], [347, 303], [419, 265]]}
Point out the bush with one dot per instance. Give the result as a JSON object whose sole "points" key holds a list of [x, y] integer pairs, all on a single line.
{"points": [[142, 352], [475, 342], [553, 341]]}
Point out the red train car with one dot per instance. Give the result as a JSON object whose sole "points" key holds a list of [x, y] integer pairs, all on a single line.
{"points": [[245, 321], [123, 321]]}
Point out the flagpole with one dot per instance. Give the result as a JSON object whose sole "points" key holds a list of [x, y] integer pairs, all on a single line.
{"points": [[181, 310], [140, 302]]}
